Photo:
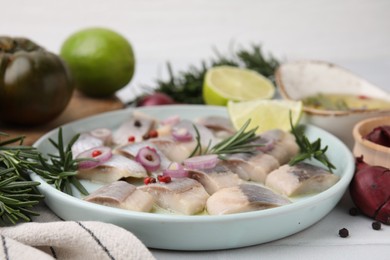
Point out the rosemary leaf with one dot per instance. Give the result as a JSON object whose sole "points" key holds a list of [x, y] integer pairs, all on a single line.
{"points": [[17, 193], [78, 185], [62, 167], [309, 150], [186, 86], [240, 142]]}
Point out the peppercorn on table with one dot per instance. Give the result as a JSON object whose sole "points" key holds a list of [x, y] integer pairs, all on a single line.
{"points": [[185, 34]]}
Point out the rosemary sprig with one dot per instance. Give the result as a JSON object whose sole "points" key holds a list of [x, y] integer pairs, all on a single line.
{"points": [[309, 150], [186, 86], [241, 142], [62, 169], [17, 194]]}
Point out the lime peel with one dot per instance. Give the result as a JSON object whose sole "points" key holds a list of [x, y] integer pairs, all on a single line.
{"points": [[101, 60]]}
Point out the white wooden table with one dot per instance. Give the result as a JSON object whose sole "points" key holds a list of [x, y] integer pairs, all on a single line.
{"points": [[354, 34]]}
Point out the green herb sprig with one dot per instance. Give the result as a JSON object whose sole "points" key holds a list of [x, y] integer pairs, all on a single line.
{"points": [[241, 142], [17, 194], [62, 168], [186, 86], [309, 150]]}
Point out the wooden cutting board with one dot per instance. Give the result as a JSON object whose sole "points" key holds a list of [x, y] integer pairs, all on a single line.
{"points": [[79, 107]]}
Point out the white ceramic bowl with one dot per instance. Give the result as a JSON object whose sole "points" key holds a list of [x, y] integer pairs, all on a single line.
{"points": [[297, 80], [199, 232]]}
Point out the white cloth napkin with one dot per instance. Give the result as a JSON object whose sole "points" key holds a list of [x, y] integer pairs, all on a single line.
{"points": [[70, 240]]}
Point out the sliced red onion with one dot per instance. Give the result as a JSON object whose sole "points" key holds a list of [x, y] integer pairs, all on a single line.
{"points": [[181, 134], [172, 120], [175, 170], [100, 155], [201, 162], [103, 134], [148, 158]]}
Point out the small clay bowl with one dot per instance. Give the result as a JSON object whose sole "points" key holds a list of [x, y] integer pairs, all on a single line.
{"points": [[373, 154]]}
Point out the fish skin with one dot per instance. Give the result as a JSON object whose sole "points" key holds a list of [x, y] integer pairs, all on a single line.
{"points": [[120, 194], [243, 198], [217, 123], [254, 167], [181, 196], [300, 179], [116, 168], [216, 178]]}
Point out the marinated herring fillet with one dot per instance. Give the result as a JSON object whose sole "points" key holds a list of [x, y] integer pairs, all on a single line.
{"points": [[217, 123], [137, 126], [173, 150], [116, 168], [182, 195], [178, 151], [280, 144], [121, 194], [85, 142], [215, 178], [251, 167], [131, 150], [300, 179], [243, 198]]}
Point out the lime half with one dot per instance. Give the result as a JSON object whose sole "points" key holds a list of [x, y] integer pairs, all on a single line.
{"points": [[265, 114], [224, 83]]}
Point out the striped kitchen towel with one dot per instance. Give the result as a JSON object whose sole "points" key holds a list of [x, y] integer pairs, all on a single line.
{"points": [[70, 240]]}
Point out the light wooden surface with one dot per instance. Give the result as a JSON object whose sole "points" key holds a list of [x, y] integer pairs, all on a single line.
{"points": [[79, 107]]}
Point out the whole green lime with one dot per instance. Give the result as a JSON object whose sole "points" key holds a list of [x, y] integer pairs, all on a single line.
{"points": [[101, 61]]}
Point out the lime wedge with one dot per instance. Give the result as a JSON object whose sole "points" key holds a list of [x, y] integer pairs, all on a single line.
{"points": [[265, 114], [224, 83]]}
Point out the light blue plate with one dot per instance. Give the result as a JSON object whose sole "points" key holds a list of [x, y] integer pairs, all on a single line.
{"points": [[199, 232]]}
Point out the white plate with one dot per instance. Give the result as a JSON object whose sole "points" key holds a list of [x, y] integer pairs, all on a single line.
{"points": [[200, 232]]}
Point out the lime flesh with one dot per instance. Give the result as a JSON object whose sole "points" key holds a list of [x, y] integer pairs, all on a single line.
{"points": [[265, 114], [224, 83]]}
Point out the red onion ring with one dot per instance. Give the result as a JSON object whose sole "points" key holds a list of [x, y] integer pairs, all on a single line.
{"points": [[103, 155], [175, 170], [201, 162], [148, 158], [181, 134]]}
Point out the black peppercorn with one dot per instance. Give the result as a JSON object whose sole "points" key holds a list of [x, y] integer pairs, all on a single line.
{"points": [[343, 232], [137, 123], [353, 211], [376, 225]]}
